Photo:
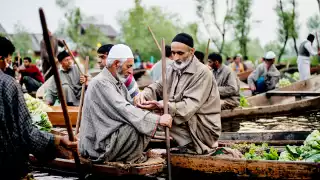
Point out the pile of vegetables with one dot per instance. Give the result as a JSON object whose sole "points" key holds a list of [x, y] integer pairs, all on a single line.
{"points": [[308, 152], [283, 82], [38, 109], [243, 101], [296, 76], [257, 152]]}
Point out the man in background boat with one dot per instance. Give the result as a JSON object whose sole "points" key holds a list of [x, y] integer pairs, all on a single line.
{"points": [[71, 81], [265, 76], [305, 52], [130, 82], [194, 101], [237, 65], [156, 70], [112, 128], [44, 55], [227, 81], [31, 76], [200, 56], [18, 136]]}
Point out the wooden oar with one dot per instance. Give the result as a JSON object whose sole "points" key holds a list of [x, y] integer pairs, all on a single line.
{"points": [[165, 103], [154, 38], [205, 60], [72, 56], [59, 88], [82, 97], [18, 54]]}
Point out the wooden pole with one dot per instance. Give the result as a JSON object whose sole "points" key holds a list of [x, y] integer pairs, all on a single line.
{"points": [[205, 60], [165, 103], [154, 38], [317, 40], [19, 57], [71, 54], [82, 97], [59, 88]]}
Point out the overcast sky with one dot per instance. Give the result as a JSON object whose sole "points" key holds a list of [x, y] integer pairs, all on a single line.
{"points": [[26, 12]]}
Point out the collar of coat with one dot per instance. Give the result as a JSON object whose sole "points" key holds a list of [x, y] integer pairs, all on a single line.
{"points": [[106, 73]]}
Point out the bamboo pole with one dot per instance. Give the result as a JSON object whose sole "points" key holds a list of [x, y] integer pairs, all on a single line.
{"points": [[165, 104], [205, 60], [72, 56], [82, 97], [154, 38], [59, 88]]}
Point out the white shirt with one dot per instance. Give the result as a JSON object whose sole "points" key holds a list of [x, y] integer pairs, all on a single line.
{"points": [[309, 47]]}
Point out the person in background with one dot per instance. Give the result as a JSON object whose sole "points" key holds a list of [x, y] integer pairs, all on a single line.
{"points": [[130, 82], [227, 81], [200, 56], [228, 61], [44, 55], [31, 76], [71, 81], [156, 71], [237, 65], [265, 76], [18, 136], [305, 52], [248, 64]]}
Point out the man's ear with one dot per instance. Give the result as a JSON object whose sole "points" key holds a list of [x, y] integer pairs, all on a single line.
{"points": [[192, 50], [117, 63]]}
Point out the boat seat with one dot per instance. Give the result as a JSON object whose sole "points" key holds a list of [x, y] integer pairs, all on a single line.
{"points": [[297, 94]]}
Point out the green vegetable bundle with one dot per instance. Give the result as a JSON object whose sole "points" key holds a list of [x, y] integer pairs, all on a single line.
{"points": [[283, 82], [38, 109], [243, 101], [296, 76], [308, 152], [255, 152]]}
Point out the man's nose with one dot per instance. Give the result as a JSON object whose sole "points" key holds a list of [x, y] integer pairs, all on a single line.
{"points": [[130, 71]]}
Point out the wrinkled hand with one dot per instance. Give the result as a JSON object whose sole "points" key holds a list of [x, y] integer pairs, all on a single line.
{"points": [[151, 105], [166, 120], [83, 79], [139, 99], [65, 142], [252, 87]]}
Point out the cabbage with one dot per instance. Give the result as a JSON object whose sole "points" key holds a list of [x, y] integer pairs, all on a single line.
{"points": [[38, 109]]}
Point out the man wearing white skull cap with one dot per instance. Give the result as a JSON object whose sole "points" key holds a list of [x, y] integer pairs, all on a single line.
{"points": [[265, 76], [112, 128]]}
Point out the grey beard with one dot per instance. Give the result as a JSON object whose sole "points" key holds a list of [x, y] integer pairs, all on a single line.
{"points": [[121, 76], [182, 64]]}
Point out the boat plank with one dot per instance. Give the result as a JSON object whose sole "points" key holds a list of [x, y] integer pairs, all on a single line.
{"points": [[247, 168]]}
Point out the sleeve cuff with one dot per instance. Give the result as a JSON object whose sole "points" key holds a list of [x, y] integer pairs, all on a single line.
{"points": [[172, 108]]}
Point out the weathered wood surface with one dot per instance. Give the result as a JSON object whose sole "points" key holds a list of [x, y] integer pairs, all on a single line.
{"points": [[292, 93], [244, 76], [262, 106], [115, 169], [247, 168]]}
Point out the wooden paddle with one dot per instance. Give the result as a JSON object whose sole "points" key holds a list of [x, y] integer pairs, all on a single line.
{"points": [[165, 103], [82, 97], [59, 88], [71, 54], [154, 38], [205, 60]]}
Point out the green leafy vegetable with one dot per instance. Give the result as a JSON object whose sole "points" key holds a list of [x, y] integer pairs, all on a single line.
{"points": [[243, 101], [38, 109]]}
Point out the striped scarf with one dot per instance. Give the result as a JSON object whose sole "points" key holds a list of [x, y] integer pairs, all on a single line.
{"points": [[132, 86]]}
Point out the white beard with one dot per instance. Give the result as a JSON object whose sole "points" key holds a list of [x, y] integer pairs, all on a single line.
{"points": [[121, 76], [182, 64]]}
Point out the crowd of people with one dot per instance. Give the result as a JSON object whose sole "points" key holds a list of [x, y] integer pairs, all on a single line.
{"points": [[118, 120]]}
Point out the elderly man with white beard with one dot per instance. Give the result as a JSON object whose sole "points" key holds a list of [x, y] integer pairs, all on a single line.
{"points": [[112, 128], [194, 100]]}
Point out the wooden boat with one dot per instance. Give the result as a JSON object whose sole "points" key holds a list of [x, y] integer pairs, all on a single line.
{"points": [[244, 76], [190, 166], [285, 104], [207, 167], [111, 169]]}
